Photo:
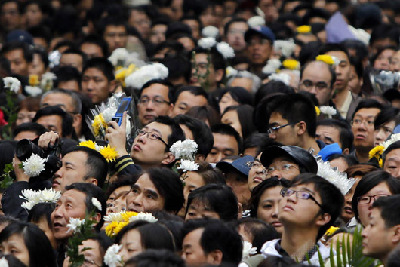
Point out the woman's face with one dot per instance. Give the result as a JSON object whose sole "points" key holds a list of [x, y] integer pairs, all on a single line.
{"points": [[267, 209], [227, 101], [231, 118], [24, 116], [383, 132], [364, 208], [131, 245], [383, 60], [144, 196], [116, 202], [37, 66], [200, 210], [15, 245]]}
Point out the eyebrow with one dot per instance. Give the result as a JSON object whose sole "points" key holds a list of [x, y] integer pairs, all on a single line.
{"points": [[307, 190], [151, 192], [69, 163]]}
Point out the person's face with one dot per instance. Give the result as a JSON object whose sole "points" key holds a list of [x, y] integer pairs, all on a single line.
{"points": [[259, 50], [73, 60], [192, 252], [37, 66], [227, 101], [283, 168], [148, 151], [377, 237], [383, 132], [235, 36], [60, 100], [193, 180], [285, 135], [91, 250], [328, 134], [392, 163], [186, 101], [194, 25], [153, 102], [92, 50], [395, 62], [25, 116], [363, 127], [339, 163], [116, 202], [52, 123], [382, 62], [246, 83], [257, 174], [342, 70], [15, 246], [131, 245], [141, 22], [355, 82], [347, 212], [231, 118], [33, 15], [10, 16], [364, 210], [158, 34], [115, 37], [224, 146], [203, 72], [70, 205], [268, 207], [43, 225], [18, 63], [238, 182], [73, 170], [95, 85], [200, 210], [144, 196], [71, 85], [317, 81]]}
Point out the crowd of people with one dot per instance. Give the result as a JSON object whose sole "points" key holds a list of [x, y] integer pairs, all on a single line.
{"points": [[199, 133]]}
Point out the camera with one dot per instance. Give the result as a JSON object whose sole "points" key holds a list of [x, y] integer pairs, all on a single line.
{"points": [[25, 148]]}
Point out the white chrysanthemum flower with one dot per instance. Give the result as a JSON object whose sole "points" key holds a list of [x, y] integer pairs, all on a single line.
{"points": [[283, 77], [33, 90], [49, 76], [75, 224], [112, 258], [225, 50], [118, 56], [148, 217], [36, 197], [231, 72], [271, 66], [248, 250], [97, 147], [184, 149], [96, 203], [114, 217], [49, 195], [256, 21], [360, 34], [28, 205], [393, 138], [34, 165], [109, 113], [335, 177], [328, 110], [285, 46], [207, 43], [188, 165], [13, 83], [3, 262], [210, 32], [146, 73]]}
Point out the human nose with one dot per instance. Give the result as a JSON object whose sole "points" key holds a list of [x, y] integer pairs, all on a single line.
{"points": [[276, 173], [275, 211], [90, 86], [123, 253]]}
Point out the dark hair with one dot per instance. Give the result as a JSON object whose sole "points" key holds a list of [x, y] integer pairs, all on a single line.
{"points": [[12, 260], [110, 21], [43, 56], [245, 116], [259, 190], [102, 64], [239, 94], [75, 97], [359, 170], [357, 63], [386, 115], [330, 69], [217, 236], [384, 31], [159, 258], [230, 22], [350, 160], [178, 66], [271, 88], [226, 129], [387, 205], [41, 254], [205, 113], [104, 241], [176, 130], [11, 46], [345, 134], [332, 199], [41, 210], [38, 129], [369, 181], [166, 83], [201, 133], [41, 32], [217, 60], [366, 104], [119, 182], [256, 140], [96, 40], [219, 197], [209, 174], [358, 46], [334, 47], [380, 50], [67, 119], [194, 90], [96, 164], [91, 191], [66, 74], [395, 145]]}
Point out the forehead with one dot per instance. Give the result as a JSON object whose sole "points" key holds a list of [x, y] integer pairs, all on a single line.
{"points": [[94, 72], [156, 126], [201, 58], [58, 99], [155, 89], [284, 160], [50, 119], [115, 28], [367, 112], [305, 187], [394, 155], [339, 54], [224, 141], [317, 71], [328, 130], [73, 195], [277, 117], [76, 157], [238, 25]]}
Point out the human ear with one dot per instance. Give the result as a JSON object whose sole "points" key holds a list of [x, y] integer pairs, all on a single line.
{"points": [[219, 74], [215, 257], [168, 158], [396, 234], [302, 127], [323, 219]]}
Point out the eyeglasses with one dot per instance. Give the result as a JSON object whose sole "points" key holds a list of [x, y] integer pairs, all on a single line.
{"points": [[367, 199], [256, 164], [156, 101], [367, 122], [287, 192], [151, 136], [284, 167], [276, 128], [321, 85]]}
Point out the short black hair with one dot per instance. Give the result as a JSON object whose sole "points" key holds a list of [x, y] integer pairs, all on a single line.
{"points": [[178, 66], [346, 135], [217, 60], [102, 64], [41, 210], [387, 114], [387, 206], [369, 181], [124, 180], [194, 90], [110, 21], [384, 31], [67, 119], [156, 257], [176, 130], [94, 39], [226, 129], [75, 51], [11, 46], [245, 116], [219, 198], [334, 47], [96, 164], [66, 74], [230, 22], [358, 46], [366, 104], [166, 83], [43, 56], [37, 128], [201, 133]]}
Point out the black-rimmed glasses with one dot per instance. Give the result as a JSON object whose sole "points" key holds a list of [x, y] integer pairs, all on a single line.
{"points": [[286, 192]]}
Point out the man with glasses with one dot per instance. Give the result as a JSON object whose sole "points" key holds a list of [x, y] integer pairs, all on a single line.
{"points": [[260, 41], [317, 78], [309, 207], [154, 100]]}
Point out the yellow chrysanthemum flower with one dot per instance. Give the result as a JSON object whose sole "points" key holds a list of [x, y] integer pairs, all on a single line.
{"points": [[290, 64], [317, 111], [376, 152], [88, 143], [33, 80], [110, 228], [109, 153], [128, 214], [123, 73], [304, 29], [99, 124], [325, 58], [119, 227], [331, 231], [381, 163]]}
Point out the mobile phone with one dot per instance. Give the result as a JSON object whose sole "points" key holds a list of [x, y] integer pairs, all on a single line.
{"points": [[123, 106]]}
